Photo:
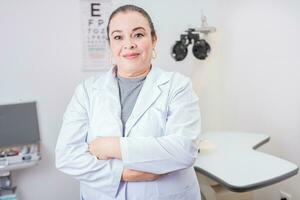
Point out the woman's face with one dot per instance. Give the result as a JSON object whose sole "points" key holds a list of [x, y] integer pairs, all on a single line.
{"points": [[131, 42]]}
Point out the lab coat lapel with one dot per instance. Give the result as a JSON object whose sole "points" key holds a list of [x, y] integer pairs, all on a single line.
{"points": [[109, 91], [148, 95]]}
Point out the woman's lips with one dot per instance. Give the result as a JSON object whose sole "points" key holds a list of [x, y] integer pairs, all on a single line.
{"points": [[131, 56]]}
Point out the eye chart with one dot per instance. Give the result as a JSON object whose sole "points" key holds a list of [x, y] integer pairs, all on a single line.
{"points": [[94, 17]]}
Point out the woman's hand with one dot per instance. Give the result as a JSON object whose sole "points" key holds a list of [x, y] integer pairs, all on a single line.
{"points": [[105, 148], [135, 176]]}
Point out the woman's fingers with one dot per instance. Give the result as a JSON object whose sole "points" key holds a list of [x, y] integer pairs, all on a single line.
{"points": [[135, 176]]}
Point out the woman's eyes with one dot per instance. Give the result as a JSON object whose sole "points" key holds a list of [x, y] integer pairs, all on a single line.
{"points": [[117, 37], [137, 35]]}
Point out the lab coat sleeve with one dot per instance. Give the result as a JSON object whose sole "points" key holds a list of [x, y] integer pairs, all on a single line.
{"points": [[72, 155], [177, 149]]}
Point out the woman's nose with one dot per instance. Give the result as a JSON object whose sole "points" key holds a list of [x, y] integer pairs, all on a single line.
{"points": [[129, 45]]}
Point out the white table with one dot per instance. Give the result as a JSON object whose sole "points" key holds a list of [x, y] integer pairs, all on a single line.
{"points": [[230, 159]]}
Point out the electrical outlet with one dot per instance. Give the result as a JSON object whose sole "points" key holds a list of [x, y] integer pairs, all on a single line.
{"points": [[285, 196]]}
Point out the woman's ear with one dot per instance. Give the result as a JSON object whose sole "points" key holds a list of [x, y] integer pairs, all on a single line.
{"points": [[154, 41]]}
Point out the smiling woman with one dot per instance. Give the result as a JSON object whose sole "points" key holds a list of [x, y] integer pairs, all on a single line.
{"points": [[132, 44], [133, 132]]}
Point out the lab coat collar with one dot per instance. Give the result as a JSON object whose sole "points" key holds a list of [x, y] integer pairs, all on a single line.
{"points": [[106, 80], [106, 86], [148, 94]]}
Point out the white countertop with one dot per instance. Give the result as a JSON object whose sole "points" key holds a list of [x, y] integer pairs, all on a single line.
{"points": [[230, 159]]}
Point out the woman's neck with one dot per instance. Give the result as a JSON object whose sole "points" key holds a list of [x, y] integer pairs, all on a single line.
{"points": [[133, 74]]}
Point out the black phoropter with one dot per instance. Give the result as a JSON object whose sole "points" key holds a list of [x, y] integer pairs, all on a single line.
{"points": [[201, 48]]}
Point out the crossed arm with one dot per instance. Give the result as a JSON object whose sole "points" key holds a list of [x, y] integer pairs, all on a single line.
{"points": [[105, 148], [174, 151]]}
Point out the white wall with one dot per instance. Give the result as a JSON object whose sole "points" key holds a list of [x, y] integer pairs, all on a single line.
{"points": [[40, 50], [261, 77], [250, 82]]}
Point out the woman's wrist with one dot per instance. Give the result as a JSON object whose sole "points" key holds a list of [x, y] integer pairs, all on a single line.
{"points": [[115, 151], [106, 148]]}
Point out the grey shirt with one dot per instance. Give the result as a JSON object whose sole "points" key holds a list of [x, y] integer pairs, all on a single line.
{"points": [[129, 89]]}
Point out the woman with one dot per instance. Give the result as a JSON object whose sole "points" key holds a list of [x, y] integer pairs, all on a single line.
{"points": [[133, 132]]}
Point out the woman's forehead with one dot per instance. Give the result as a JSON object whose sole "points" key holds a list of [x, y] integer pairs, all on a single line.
{"points": [[128, 21]]}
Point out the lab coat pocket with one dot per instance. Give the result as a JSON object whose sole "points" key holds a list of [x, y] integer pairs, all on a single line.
{"points": [[159, 116], [152, 123]]}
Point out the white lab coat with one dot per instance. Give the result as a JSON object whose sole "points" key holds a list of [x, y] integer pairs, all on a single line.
{"points": [[161, 136]]}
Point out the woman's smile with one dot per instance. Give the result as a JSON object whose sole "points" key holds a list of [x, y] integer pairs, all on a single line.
{"points": [[131, 56]]}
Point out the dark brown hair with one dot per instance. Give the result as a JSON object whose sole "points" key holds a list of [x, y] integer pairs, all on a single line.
{"points": [[132, 8]]}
